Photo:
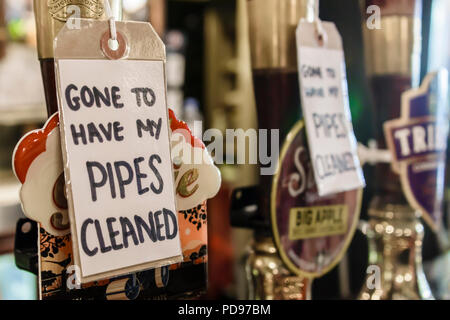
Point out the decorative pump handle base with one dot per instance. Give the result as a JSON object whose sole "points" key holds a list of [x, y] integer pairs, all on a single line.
{"points": [[37, 163]]}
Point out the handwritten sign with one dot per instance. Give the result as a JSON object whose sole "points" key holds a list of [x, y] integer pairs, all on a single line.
{"points": [[117, 165], [325, 105]]}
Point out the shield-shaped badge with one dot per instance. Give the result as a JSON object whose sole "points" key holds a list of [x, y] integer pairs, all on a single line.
{"points": [[418, 143]]}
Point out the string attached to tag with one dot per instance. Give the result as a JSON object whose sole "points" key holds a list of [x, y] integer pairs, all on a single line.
{"points": [[321, 33], [112, 21], [113, 43]]}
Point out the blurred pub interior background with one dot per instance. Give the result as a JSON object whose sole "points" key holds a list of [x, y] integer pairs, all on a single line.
{"points": [[209, 78]]}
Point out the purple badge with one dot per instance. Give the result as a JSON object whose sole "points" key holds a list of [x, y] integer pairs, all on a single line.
{"points": [[418, 143], [311, 232]]}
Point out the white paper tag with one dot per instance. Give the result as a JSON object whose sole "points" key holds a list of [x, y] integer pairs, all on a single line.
{"points": [[117, 162], [325, 105]]}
